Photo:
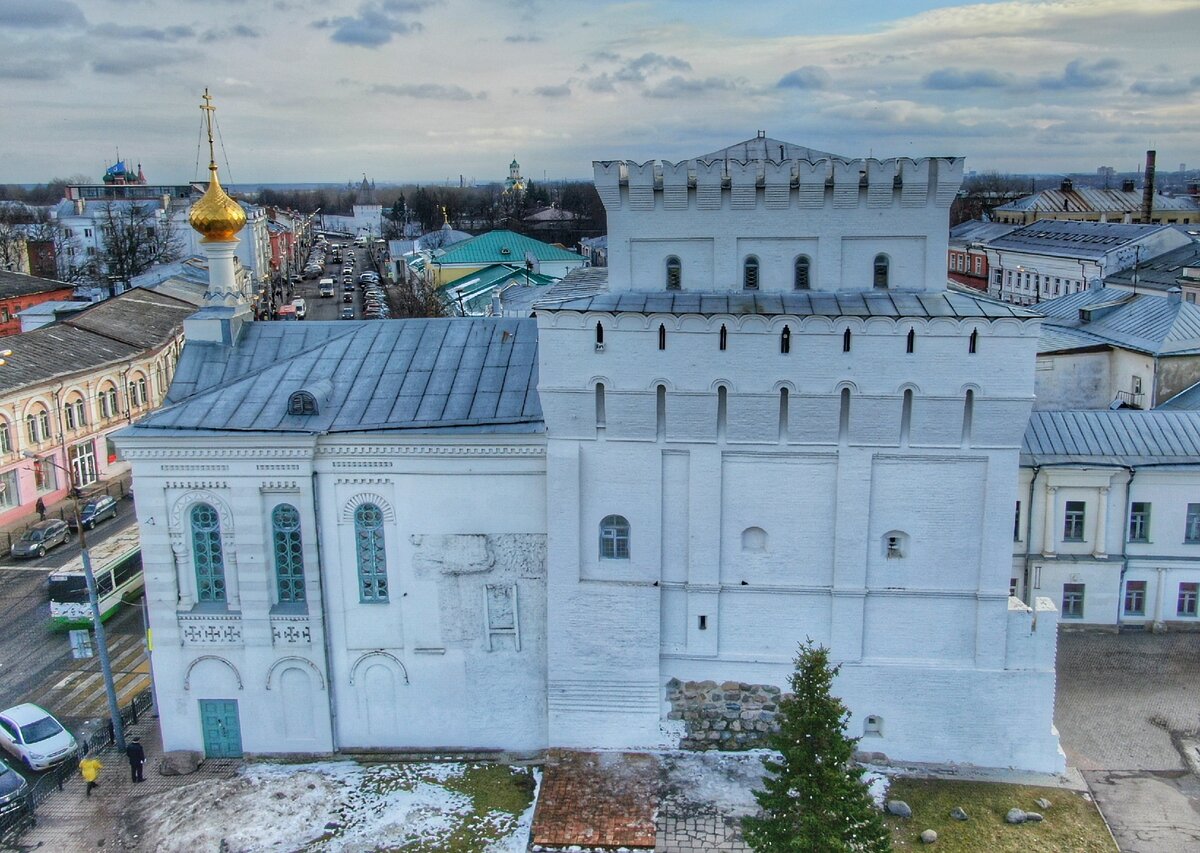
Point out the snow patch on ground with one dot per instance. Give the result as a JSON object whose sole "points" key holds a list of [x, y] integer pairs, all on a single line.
{"points": [[720, 781], [877, 783], [337, 806]]}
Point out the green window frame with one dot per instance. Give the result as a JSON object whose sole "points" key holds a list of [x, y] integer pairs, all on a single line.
{"points": [[370, 553], [289, 553], [207, 554]]}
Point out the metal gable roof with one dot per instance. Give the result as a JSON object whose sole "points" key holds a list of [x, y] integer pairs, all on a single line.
{"points": [[500, 247], [1140, 322], [470, 375], [1113, 437]]}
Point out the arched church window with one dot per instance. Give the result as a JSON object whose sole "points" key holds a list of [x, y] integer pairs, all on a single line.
{"points": [[674, 273], [973, 342], [881, 272], [911, 341], [662, 336], [614, 538], [750, 273], [599, 335], [846, 341], [724, 337], [803, 269], [369, 550], [289, 557], [785, 340], [207, 555]]}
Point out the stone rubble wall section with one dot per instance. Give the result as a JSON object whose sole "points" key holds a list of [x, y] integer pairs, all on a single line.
{"points": [[732, 715]]}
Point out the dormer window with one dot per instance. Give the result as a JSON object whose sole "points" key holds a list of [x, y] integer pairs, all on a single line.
{"points": [[302, 403], [750, 273]]}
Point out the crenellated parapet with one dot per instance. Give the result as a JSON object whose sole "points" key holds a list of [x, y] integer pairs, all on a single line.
{"points": [[840, 183]]}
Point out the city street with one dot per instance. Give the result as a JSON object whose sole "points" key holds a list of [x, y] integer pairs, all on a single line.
{"points": [[330, 308], [36, 664]]}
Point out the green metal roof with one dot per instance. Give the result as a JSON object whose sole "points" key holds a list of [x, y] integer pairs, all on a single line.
{"points": [[502, 247], [477, 288]]}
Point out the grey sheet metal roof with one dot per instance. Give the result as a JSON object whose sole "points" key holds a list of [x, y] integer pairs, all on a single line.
{"points": [[1088, 199], [466, 374], [580, 293], [140, 317], [766, 148], [1072, 239], [978, 231], [1141, 322], [1162, 272], [19, 284], [57, 351], [1112, 437], [1186, 400]]}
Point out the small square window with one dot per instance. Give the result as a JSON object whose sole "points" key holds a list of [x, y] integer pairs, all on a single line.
{"points": [[1188, 593], [1073, 521], [1135, 598], [1139, 522], [1072, 601]]}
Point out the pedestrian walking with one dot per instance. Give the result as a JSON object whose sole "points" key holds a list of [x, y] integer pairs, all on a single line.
{"points": [[40, 506], [137, 757], [90, 768]]}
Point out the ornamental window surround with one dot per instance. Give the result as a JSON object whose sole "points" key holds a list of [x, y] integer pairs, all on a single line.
{"points": [[881, 266], [674, 273], [750, 273], [208, 556], [803, 280], [370, 554], [289, 556]]}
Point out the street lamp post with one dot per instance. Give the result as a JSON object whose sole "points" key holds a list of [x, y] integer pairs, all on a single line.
{"points": [[114, 710]]}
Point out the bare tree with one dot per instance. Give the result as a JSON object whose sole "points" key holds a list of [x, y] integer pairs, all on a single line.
{"points": [[12, 247], [417, 299], [135, 238]]}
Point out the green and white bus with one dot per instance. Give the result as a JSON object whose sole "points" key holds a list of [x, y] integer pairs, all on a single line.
{"points": [[117, 565]]}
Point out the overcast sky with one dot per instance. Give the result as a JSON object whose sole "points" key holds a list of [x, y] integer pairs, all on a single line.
{"points": [[425, 90]]}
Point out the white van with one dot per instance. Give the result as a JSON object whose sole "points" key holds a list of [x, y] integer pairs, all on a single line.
{"points": [[328, 287], [301, 307]]}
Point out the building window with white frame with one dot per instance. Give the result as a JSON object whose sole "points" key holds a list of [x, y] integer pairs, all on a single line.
{"points": [[83, 463], [1135, 598], [109, 405], [371, 554], [6, 442], [1139, 521], [1073, 521], [75, 413], [1072, 601], [289, 556], [1186, 603], [137, 392], [37, 425], [208, 556], [1191, 532], [614, 538]]}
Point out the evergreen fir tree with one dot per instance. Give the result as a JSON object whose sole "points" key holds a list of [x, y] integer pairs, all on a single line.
{"points": [[814, 799]]}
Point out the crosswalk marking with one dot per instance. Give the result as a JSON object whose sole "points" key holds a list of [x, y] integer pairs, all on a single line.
{"points": [[80, 691]]}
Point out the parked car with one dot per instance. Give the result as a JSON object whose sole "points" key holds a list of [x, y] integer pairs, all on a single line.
{"points": [[31, 734], [348, 296], [348, 312], [14, 790], [40, 538], [94, 512], [301, 307]]}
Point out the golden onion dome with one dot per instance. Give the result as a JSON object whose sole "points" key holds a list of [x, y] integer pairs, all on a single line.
{"points": [[216, 216]]}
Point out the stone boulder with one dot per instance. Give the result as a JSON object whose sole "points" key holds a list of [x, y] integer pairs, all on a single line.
{"points": [[1042, 803], [183, 762], [899, 808], [1015, 816], [928, 837], [1033, 817], [958, 813]]}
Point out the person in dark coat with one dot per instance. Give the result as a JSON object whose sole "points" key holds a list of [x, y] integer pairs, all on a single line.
{"points": [[40, 506], [137, 757]]}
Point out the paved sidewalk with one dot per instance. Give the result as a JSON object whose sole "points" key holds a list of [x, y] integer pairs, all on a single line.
{"points": [[118, 486], [68, 821]]}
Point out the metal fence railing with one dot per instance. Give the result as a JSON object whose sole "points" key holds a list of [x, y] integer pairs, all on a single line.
{"points": [[98, 737]]}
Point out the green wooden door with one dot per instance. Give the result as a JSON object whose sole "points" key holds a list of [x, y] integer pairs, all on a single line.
{"points": [[222, 729]]}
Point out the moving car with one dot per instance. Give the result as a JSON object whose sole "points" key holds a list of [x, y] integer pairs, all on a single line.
{"points": [[29, 733], [301, 307], [14, 790], [327, 287], [94, 512], [40, 538], [348, 312], [348, 296]]}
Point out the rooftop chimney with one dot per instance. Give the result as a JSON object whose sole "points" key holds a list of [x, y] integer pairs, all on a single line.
{"points": [[1128, 185], [1174, 294], [1148, 189], [1067, 185]]}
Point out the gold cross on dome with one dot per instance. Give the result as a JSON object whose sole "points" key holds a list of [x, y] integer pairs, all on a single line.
{"points": [[209, 109]]}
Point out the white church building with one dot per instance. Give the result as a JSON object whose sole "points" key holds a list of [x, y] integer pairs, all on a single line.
{"points": [[611, 525]]}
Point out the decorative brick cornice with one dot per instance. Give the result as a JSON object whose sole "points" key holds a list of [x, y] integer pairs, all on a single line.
{"points": [[433, 450]]}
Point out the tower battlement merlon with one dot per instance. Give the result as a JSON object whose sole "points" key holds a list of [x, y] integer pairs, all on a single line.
{"points": [[825, 182]]}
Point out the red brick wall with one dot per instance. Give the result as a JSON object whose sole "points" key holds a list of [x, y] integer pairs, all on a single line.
{"points": [[10, 324]]}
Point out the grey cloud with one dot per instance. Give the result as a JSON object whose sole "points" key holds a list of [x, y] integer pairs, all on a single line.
{"points": [[375, 23], [635, 70], [236, 31], [40, 71], [601, 83], [957, 78], [165, 34], [679, 87], [425, 91], [138, 62], [806, 77], [1164, 87], [41, 14], [1082, 75], [522, 39], [562, 91]]}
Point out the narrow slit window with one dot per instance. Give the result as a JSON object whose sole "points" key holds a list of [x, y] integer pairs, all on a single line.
{"points": [[724, 338], [662, 336], [750, 273], [968, 416], [702, 622], [912, 340], [722, 410], [906, 416], [785, 340], [846, 341], [674, 274], [803, 271], [973, 342], [844, 416], [783, 415], [601, 418], [599, 334], [660, 411], [881, 272]]}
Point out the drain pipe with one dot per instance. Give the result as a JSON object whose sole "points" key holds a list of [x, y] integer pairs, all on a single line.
{"points": [[1125, 545], [333, 741], [1029, 544]]}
